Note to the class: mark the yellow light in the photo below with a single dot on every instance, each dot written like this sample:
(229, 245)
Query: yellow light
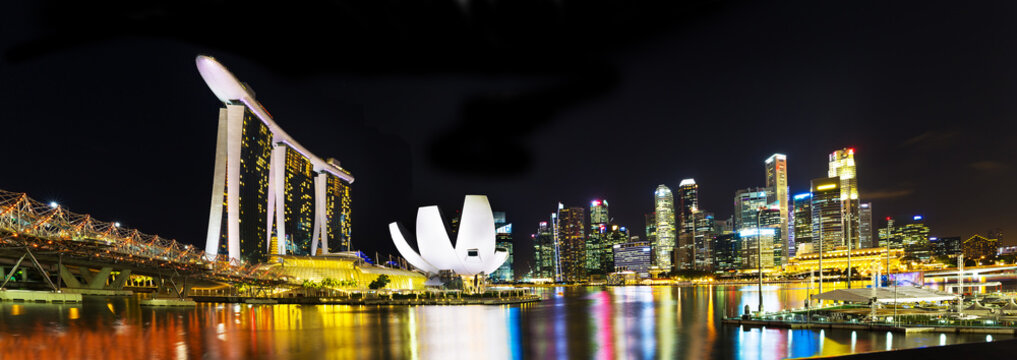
(826, 187)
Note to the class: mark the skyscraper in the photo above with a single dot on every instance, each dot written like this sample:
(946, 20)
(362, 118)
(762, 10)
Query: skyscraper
(704, 234)
(747, 203)
(760, 238)
(688, 203)
(615, 235)
(776, 181)
(595, 237)
(270, 195)
(571, 243)
(827, 225)
(865, 226)
(503, 238)
(842, 166)
(666, 235)
(916, 232)
(543, 251)
(688, 207)
(770, 218)
(651, 227)
(802, 216)
(889, 236)
(727, 252)
(598, 212)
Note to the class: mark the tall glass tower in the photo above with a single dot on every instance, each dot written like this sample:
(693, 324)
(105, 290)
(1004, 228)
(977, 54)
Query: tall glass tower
(776, 181)
(666, 235)
(802, 224)
(827, 223)
(688, 202)
(571, 243)
(842, 166)
(595, 241)
(865, 225)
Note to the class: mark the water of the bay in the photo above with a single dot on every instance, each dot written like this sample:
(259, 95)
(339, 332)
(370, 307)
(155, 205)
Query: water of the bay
(637, 322)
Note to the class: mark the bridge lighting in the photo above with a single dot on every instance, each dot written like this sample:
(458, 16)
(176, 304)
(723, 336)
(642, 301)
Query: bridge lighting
(117, 224)
(53, 204)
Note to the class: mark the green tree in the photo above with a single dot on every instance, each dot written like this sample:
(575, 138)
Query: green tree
(379, 283)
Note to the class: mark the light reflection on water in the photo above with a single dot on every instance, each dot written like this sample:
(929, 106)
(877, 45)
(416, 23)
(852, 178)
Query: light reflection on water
(593, 322)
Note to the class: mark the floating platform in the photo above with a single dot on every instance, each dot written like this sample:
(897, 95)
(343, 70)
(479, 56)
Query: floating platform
(98, 292)
(168, 302)
(39, 296)
(872, 327)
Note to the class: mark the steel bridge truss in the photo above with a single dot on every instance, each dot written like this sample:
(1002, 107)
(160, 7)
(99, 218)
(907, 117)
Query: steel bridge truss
(44, 228)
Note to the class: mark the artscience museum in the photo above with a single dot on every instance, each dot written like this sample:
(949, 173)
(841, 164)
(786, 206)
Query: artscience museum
(474, 251)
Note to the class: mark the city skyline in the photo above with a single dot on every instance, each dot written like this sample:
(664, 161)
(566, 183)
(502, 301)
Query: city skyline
(390, 132)
(502, 179)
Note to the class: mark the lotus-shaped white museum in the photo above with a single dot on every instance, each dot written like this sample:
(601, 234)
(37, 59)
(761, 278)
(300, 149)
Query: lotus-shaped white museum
(474, 252)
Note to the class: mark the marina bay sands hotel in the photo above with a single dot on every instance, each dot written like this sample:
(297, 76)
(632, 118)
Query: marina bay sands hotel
(270, 195)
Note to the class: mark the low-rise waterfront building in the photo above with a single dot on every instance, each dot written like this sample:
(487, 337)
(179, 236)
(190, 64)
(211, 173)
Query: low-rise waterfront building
(864, 260)
(634, 256)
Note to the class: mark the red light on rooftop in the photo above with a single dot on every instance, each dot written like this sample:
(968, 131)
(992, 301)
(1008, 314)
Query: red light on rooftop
(851, 151)
(888, 218)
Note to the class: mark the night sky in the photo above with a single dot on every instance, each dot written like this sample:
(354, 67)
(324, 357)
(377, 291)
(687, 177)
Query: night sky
(529, 102)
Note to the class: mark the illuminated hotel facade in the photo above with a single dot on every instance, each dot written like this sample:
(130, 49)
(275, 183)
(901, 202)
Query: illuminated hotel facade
(270, 195)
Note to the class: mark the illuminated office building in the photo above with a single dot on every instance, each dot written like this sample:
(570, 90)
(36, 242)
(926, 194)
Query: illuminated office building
(947, 246)
(598, 212)
(651, 227)
(270, 195)
(842, 166)
(758, 238)
(826, 214)
(570, 241)
(543, 251)
(915, 239)
(889, 236)
(916, 232)
(865, 226)
(704, 234)
(771, 218)
(503, 240)
(802, 229)
(747, 203)
(727, 252)
(666, 231)
(688, 203)
(687, 213)
(776, 182)
(613, 235)
(633, 256)
(595, 241)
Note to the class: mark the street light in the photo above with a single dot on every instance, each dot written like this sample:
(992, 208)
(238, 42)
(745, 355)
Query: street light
(53, 204)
